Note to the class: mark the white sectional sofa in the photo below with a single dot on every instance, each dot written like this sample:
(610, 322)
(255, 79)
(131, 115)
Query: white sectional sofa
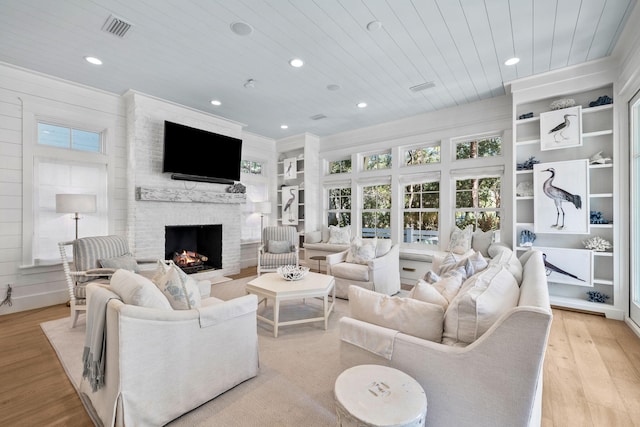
(496, 380)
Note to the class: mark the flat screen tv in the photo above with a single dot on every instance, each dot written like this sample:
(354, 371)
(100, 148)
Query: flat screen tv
(198, 155)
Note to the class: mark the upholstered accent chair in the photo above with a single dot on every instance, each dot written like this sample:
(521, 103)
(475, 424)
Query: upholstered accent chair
(95, 259)
(279, 247)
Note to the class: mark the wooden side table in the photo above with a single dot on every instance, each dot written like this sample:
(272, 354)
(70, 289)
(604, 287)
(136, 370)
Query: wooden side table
(318, 258)
(376, 395)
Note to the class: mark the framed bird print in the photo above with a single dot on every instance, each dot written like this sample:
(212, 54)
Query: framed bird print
(561, 128)
(561, 197)
(289, 205)
(568, 266)
(290, 168)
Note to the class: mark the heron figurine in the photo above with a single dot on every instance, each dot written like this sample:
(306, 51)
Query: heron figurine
(287, 206)
(559, 196)
(558, 130)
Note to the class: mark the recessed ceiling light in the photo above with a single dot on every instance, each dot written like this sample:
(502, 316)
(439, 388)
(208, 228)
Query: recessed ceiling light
(250, 84)
(512, 61)
(333, 87)
(296, 62)
(284, 127)
(241, 28)
(215, 102)
(374, 25)
(93, 60)
(362, 104)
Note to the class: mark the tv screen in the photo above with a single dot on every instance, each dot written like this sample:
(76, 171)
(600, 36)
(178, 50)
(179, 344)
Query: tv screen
(199, 155)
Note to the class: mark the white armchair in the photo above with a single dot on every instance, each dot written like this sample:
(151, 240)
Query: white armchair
(382, 274)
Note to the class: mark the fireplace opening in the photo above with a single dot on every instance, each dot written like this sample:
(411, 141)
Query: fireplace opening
(194, 248)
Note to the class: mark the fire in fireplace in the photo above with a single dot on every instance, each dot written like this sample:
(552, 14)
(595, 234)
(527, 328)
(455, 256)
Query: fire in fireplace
(194, 247)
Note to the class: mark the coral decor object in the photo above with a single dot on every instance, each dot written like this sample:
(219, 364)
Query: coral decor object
(292, 272)
(597, 244)
(602, 100)
(236, 188)
(595, 296)
(599, 159)
(527, 164)
(524, 189)
(525, 116)
(527, 238)
(595, 217)
(562, 103)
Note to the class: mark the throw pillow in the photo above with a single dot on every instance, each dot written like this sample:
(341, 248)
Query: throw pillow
(472, 263)
(313, 237)
(481, 301)
(450, 284)
(430, 277)
(339, 235)
(279, 246)
(460, 240)
(137, 290)
(362, 251)
(181, 290)
(426, 292)
(126, 262)
(481, 240)
(504, 256)
(407, 315)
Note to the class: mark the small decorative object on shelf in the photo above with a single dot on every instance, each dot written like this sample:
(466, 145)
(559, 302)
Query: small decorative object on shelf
(597, 244)
(598, 159)
(595, 296)
(562, 103)
(527, 164)
(603, 100)
(236, 188)
(527, 238)
(292, 272)
(596, 218)
(524, 189)
(525, 116)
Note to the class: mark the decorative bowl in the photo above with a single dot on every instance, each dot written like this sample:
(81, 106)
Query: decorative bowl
(292, 272)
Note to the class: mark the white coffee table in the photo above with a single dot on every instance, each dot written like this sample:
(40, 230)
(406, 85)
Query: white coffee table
(376, 395)
(271, 286)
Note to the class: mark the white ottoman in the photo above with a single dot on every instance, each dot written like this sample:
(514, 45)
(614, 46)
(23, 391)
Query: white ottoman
(375, 395)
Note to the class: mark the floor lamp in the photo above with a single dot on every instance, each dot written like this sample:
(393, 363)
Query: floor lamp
(265, 209)
(75, 204)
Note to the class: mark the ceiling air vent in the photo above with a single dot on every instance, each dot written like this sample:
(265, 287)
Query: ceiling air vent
(318, 117)
(116, 26)
(422, 86)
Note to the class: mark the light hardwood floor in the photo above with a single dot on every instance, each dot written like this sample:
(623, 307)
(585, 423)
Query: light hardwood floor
(591, 373)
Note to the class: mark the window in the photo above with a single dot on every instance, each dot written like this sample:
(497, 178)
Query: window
(376, 211)
(340, 166)
(377, 161)
(66, 137)
(339, 212)
(257, 191)
(421, 213)
(249, 167)
(485, 147)
(478, 203)
(422, 156)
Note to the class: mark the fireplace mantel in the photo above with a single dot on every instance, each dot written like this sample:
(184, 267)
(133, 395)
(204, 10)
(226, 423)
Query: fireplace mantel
(188, 196)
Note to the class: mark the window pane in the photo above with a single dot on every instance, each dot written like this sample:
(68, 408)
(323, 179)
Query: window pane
(421, 227)
(431, 200)
(479, 148)
(463, 219)
(85, 141)
(421, 156)
(55, 136)
(340, 166)
(377, 161)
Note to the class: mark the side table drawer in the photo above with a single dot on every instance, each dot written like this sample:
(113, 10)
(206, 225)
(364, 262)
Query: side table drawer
(411, 271)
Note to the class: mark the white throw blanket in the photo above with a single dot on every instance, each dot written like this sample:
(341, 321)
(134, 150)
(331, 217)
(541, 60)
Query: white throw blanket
(93, 356)
(375, 339)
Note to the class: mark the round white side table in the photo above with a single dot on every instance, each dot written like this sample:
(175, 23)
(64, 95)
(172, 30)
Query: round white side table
(375, 395)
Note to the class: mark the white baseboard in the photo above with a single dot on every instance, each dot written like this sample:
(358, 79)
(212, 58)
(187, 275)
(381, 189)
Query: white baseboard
(31, 302)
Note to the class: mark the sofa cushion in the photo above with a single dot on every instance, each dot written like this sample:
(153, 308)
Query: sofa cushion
(449, 285)
(481, 240)
(126, 262)
(361, 250)
(339, 235)
(407, 315)
(472, 264)
(279, 246)
(383, 247)
(349, 271)
(503, 255)
(426, 292)
(482, 299)
(460, 240)
(181, 290)
(137, 290)
(438, 258)
(313, 237)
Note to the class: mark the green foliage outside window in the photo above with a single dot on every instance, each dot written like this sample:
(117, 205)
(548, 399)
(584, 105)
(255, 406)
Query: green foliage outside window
(478, 203)
(488, 147)
(339, 206)
(377, 161)
(421, 213)
(422, 156)
(376, 215)
(340, 166)
(254, 168)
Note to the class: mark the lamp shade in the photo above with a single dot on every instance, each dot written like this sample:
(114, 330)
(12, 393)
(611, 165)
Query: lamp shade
(75, 203)
(263, 207)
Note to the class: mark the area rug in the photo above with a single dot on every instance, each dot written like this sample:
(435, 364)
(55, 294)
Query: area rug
(294, 386)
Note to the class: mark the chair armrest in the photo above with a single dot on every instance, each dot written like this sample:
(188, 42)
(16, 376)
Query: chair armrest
(94, 272)
(336, 258)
